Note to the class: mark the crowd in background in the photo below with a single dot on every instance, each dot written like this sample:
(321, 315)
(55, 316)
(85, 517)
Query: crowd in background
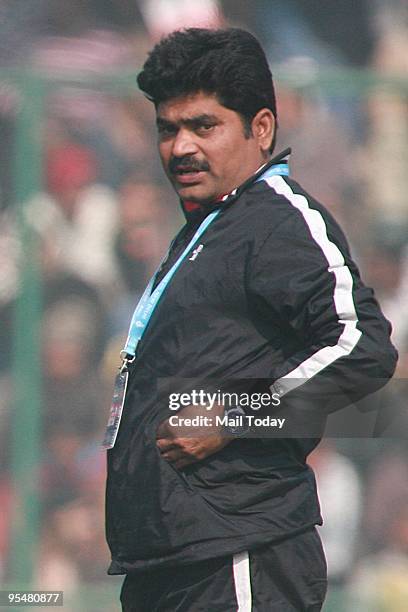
(105, 216)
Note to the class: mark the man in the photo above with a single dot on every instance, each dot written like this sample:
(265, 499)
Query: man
(258, 293)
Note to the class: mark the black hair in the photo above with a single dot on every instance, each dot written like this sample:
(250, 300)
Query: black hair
(229, 63)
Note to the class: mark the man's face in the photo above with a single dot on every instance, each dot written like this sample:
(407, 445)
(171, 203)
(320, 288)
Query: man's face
(203, 147)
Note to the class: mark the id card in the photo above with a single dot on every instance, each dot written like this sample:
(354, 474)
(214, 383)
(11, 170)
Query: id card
(116, 409)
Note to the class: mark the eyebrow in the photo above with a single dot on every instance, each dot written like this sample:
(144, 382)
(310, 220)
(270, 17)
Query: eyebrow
(191, 122)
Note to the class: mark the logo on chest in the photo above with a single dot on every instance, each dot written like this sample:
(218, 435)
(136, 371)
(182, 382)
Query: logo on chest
(196, 252)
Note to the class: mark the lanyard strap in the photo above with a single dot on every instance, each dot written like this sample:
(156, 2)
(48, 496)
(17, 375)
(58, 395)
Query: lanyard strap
(149, 300)
(281, 169)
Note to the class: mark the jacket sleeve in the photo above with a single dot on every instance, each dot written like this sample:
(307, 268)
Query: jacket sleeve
(304, 279)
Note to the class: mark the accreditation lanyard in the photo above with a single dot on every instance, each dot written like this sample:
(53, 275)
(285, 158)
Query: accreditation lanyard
(277, 169)
(140, 320)
(149, 300)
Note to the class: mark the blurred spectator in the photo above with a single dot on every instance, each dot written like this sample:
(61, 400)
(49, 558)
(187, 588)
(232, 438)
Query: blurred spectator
(78, 219)
(340, 493)
(74, 397)
(73, 547)
(385, 262)
(384, 160)
(60, 476)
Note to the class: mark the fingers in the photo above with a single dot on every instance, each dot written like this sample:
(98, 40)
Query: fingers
(175, 449)
(184, 451)
(176, 453)
(165, 444)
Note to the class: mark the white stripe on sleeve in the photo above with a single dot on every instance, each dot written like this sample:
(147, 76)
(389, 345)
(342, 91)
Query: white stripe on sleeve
(342, 297)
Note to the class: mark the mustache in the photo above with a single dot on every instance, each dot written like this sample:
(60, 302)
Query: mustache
(187, 161)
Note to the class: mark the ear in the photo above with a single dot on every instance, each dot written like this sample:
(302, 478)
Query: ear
(263, 129)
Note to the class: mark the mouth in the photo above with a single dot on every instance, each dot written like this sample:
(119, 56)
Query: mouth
(188, 175)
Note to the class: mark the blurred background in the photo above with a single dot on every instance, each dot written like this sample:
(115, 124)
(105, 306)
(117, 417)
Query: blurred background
(86, 214)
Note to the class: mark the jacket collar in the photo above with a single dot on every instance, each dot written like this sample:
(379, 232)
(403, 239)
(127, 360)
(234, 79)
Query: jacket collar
(194, 211)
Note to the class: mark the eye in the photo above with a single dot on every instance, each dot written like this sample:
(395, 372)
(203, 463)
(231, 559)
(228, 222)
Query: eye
(205, 128)
(166, 131)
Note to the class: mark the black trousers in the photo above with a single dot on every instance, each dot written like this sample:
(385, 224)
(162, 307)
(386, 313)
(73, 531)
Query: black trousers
(289, 576)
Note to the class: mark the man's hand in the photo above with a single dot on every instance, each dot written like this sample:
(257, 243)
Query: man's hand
(183, 445)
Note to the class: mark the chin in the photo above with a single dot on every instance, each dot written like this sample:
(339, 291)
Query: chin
(195, 196)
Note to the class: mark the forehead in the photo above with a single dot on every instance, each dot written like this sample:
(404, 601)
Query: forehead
(192, 105)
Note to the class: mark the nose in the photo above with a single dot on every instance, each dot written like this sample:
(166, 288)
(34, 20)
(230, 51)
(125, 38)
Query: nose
(184, 143)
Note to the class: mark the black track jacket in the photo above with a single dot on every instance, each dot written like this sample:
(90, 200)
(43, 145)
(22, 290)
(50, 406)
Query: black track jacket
(272, 295)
